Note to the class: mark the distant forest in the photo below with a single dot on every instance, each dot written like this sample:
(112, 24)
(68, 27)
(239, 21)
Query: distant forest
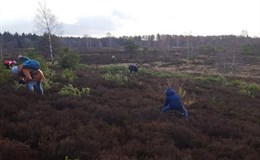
(12, 43)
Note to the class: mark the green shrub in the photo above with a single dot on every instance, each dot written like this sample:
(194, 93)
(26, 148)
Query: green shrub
(250, 89)
(69, 75)
(68, 59)
(130, 46)
(69, 90)
(113, 68)
(248, 49)
(216, 80)
(83, 66)
(47, 83)
(49, 76)
(115, 73)
(119, 78)
(161, 74)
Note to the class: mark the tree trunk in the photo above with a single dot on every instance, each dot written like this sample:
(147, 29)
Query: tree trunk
(51, 53)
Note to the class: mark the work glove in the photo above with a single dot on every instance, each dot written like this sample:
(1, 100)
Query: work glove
(21, 81)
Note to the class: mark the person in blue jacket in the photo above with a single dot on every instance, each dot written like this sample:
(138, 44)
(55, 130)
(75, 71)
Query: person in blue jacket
(173, 102)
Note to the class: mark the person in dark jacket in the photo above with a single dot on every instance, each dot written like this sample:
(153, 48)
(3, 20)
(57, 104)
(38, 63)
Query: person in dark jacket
(173, 102)
(133, 68)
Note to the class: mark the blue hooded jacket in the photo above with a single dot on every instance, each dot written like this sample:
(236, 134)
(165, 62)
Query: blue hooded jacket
(173, 100)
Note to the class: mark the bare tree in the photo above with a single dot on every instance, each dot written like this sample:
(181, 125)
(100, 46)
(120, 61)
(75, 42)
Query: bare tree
(88, 40)
(244, 33)
(47, 23)
(109, 36)
(189, 45)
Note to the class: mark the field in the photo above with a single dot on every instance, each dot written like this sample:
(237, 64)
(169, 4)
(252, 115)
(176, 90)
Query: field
(107, 114)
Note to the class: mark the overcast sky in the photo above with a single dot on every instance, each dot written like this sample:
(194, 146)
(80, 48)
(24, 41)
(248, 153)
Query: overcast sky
(137, 17)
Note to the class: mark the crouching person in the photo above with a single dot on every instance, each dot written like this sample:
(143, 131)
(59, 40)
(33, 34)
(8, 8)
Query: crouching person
(133, 68)
(173, 102)
(33, 78)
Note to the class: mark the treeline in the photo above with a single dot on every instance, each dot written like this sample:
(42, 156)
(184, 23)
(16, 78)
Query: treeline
(12, 42)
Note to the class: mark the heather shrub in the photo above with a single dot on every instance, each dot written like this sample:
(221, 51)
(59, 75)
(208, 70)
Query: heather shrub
(11, 149)
(125, 121)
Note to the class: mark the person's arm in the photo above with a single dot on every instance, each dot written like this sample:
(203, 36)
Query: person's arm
(166, 102)
(27, 75)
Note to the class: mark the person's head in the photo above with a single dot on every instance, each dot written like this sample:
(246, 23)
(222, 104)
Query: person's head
(15, 70)
(169, 91)
(20, 56)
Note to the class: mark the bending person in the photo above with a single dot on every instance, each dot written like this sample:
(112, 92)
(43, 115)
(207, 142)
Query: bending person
(33, 78)
(173, 102)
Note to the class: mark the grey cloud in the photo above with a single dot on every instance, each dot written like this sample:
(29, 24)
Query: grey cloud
(99, 25)
(90, 25)
(18, 27)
